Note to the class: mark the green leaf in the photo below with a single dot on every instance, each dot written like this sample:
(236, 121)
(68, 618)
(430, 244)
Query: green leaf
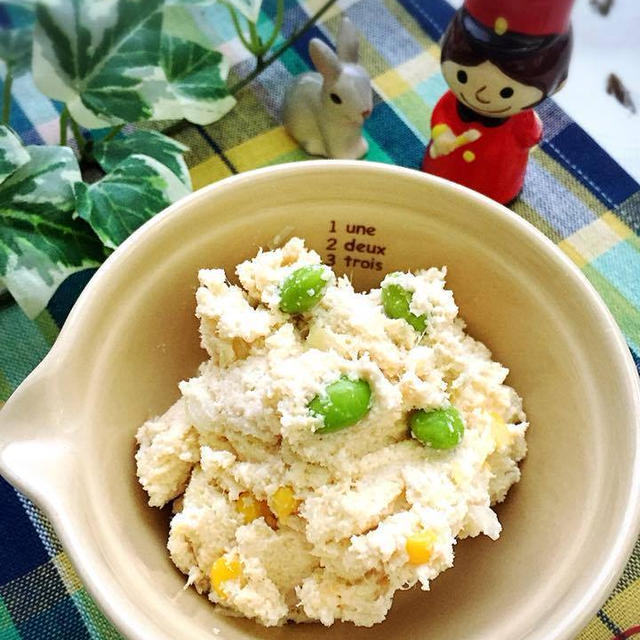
(137, 189)
(150, 143)
(12, 154)
(187, 67)
(194, 76)
(40, 241)
(108, 62)
(93, 55)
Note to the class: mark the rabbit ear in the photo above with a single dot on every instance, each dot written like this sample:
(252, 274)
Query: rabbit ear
(348, 41)
(324, 60)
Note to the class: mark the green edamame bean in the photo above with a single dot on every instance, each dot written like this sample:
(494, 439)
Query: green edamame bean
(438, 428)
(303, 288)
(396, 301)
(343, 403)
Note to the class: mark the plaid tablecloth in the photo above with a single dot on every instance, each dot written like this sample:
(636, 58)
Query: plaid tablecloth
(574, 192)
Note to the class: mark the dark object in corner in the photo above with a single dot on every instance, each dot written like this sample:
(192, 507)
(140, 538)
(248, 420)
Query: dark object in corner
(620, 92)
(602, 6)
(5, 296)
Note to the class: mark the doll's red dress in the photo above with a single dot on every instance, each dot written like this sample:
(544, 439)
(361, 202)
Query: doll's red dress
(494, 164)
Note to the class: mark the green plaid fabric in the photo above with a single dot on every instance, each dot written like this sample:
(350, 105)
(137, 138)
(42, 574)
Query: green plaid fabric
(574, 192)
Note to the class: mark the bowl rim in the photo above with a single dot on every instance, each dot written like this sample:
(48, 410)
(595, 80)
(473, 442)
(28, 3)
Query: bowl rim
(600, 588)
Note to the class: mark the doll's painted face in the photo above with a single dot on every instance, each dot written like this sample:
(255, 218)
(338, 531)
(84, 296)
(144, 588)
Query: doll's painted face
(488, 91)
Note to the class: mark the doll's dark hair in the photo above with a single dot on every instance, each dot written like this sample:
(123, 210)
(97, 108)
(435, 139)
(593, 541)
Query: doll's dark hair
(537, 61)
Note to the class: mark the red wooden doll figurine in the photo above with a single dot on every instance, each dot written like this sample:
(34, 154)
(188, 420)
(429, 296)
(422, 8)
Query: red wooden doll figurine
(499, 58)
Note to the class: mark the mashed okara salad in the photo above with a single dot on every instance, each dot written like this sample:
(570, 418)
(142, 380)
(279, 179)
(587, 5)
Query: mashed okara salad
(334, 445)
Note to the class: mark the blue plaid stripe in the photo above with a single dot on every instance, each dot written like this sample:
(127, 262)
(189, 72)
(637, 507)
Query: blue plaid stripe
(543, 191)
(593, 166)
(433, 17)
(21, 550)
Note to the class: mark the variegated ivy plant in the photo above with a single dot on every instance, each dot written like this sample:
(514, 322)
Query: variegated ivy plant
(111, 62)
(54, 224)
(116, 61)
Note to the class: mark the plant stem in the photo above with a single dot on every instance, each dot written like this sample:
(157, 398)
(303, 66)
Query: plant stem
(80, 141)
(6, 96)
(256, 45)
(238, 28)
(277, 25)
(280, 50)
(64, 122)
(113, 133)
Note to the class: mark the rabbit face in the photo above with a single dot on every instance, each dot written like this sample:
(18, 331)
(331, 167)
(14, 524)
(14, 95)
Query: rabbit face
(346, 86)
(349, 98)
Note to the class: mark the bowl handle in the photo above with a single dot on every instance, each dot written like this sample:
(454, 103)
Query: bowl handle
(36, 442)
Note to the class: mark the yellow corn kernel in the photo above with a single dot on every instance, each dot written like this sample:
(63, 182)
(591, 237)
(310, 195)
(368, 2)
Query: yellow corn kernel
(284, 503)
(251, 508)
(221, 571)
(420, 545)
(499, 430)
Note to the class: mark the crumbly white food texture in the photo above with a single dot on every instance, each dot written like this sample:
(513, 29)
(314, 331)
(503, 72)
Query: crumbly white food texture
(242, 428)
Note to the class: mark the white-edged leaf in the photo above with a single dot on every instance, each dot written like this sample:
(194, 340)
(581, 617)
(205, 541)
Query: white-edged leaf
(93, 56)
(136, 189)
(12, 154)
(196, 75)
(150, 143)
(196, 81)
(111, 62)
(40, 241)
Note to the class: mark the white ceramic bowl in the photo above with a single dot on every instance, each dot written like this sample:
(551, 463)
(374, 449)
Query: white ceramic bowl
(67, 434)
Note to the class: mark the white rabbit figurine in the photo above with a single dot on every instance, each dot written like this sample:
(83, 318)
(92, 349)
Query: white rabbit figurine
(325, 111)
